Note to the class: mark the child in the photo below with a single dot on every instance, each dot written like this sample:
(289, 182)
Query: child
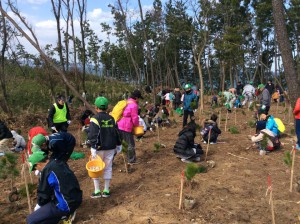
(142, 123)
(185, 147)
(104, 139)
(214, 100)
(212, 126)
(19, 142)
(5, 136)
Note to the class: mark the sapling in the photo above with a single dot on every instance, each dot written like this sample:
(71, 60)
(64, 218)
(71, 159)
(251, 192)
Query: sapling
(8, 167)
(190, 171)
(193, 105)
(244, 113)
(234, 130)
(157, 147)
(287, 159)
(252, 124)
(264, 142)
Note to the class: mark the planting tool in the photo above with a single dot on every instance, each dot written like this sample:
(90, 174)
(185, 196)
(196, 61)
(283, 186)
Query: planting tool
(271, 199)
(292, 168)
(208, 142)
(26, 186)
(181, 189)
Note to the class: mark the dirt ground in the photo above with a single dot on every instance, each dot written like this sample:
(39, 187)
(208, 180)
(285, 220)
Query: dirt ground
(234, 191)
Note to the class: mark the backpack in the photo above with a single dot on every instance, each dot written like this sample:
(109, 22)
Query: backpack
(280, 125)
(118, 109)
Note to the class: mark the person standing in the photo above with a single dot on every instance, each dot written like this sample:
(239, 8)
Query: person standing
(239, 88)
(129, 120)
(296, 112)
(189, 97)
(265, 100)
(177, 98)
(58, 193)
(105, 140)
(59, 115)
(270, 87)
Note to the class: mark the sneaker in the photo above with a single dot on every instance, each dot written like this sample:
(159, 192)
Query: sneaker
(212, 143)
(96, 195)
(197, 159)
(204, 142)
(105, 194)
(186, 160)
(297, 147)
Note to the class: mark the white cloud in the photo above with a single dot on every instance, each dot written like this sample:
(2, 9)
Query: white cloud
(47, 24)
(99, 16)
(35, 2)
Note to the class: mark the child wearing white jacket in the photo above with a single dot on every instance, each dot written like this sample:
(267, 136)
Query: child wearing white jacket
(19, 141)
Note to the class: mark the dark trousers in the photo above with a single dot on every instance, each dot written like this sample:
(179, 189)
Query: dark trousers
(47, 214)
(61, 127)
(186, 113)
(128, 137)
(297, 128)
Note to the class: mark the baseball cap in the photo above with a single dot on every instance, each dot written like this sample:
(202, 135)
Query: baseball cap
(35, 158)
(260, 86)
(38, 140)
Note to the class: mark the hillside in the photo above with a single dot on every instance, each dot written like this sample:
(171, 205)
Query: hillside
(234, 191)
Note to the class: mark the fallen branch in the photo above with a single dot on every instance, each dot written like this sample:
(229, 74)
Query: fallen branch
(240, 157)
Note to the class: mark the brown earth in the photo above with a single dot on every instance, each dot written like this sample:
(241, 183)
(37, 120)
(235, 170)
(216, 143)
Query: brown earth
(234, 191)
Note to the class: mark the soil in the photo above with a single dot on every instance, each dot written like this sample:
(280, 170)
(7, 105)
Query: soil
(233, 191)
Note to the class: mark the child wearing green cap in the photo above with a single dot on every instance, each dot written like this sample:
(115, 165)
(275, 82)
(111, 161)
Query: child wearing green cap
(105, 141)
(58, 193)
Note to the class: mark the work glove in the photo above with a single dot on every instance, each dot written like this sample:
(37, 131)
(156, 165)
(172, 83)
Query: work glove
(69, 121)
(263, 107)
(37, 172)
(54, 129)
(36, 207)
(94, 153)
(118, 149)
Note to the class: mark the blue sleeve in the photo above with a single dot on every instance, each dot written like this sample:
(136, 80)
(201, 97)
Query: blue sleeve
(270, 124)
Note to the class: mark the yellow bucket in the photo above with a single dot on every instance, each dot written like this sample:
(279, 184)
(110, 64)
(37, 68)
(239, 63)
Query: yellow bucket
(138, 130)
(95, 167)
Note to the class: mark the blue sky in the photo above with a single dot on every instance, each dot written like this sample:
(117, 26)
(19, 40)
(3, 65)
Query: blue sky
(40, 16)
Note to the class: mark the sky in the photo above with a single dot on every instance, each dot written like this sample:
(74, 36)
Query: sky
(40, 16)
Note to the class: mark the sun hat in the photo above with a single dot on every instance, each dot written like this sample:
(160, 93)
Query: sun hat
(38, 140)
(36, 157)
(101, 102)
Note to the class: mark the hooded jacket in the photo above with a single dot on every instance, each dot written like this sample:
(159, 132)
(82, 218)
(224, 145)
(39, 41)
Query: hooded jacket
(19, 140)
(185, 142)
(4, 131)
(215, 131)
(130, 116)
(187, 100)
(272, 126)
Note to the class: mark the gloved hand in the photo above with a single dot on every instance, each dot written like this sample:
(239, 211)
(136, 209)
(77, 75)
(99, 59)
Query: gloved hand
(94, 153)
(69, 121)
(37, 172)
(36, 207)
(54, 129)
(263, 107)
(118, 149)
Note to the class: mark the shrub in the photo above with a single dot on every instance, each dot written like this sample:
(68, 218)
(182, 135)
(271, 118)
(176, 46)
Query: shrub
(234, 130)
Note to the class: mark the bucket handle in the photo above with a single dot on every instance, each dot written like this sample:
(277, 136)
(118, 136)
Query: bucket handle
(97, 158)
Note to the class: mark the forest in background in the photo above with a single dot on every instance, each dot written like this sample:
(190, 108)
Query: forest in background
(212, 44)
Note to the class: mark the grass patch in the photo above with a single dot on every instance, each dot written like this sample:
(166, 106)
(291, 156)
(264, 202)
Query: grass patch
(234, 130)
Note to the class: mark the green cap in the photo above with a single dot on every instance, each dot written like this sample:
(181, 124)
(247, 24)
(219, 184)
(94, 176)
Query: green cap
(220, 93)
(38, 140)
(260, 86)
(101, 102)
(35, 158)
(187, 86)
(251, 82)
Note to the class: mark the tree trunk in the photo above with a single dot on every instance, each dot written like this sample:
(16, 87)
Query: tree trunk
(293, 81)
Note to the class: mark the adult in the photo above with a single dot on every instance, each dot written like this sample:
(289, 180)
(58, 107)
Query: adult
(270, 87)
(33, 132)
(104, 139)
(265, 100)
(188, 98)
(177, 98)
(59, 115)
(5, 135)
(129, 120)
(239, 88)
(61, 144)
(58, 193)
(296, 112)
(248, 93)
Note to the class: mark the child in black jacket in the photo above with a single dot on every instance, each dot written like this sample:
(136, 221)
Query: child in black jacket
(212, 126)
(185, 147)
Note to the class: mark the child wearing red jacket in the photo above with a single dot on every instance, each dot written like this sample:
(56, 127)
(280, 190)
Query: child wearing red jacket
(296, 112)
